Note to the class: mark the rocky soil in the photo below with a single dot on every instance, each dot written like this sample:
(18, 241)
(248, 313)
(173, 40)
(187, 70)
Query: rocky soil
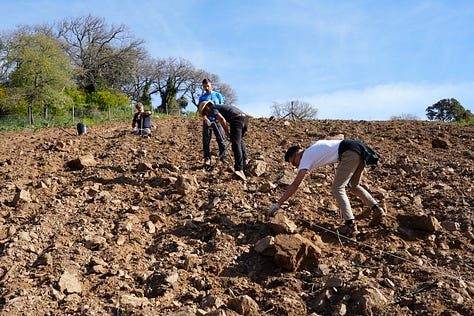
(108, 223)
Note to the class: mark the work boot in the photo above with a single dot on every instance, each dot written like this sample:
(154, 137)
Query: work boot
(378, 213)
(349, 229)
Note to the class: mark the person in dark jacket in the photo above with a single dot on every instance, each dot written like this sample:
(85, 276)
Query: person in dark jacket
(349, 172)
(141, 123)
(235, 124)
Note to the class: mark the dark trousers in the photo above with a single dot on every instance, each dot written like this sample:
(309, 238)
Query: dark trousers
(206, 139)
(238, 128)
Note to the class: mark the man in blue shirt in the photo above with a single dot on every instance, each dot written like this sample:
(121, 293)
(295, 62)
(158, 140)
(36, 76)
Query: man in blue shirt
(210, 124)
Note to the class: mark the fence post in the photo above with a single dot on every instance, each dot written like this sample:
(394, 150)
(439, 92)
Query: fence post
(30, 115)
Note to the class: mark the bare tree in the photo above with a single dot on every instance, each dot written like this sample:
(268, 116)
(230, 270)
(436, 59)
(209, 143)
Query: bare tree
(103, 56)
(404, 117)
(230, 97)
(294, 110)
(195, 88)
(172, 82)
(139, 86)
(5, 50)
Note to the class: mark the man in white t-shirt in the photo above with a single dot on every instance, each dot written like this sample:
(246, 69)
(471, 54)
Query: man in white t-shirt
(349, 172)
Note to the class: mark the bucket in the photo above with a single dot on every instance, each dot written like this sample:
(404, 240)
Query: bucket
(81, 128)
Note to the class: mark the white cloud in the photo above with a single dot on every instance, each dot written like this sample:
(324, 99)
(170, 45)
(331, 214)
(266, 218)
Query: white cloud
(383, 101)
(377, 102)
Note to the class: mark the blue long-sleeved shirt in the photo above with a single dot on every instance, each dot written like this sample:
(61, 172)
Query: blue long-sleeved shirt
(215, 97)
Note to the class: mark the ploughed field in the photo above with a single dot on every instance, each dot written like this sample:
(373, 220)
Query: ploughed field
(109, 223)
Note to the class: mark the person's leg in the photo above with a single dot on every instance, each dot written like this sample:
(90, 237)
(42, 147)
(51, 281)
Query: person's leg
(219, 132)
(206, 140)
(344, 172)
(236, 139)
(357, 189)
(242, 142)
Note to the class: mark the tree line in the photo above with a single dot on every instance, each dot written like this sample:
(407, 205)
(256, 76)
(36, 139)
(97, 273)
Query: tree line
(84, 64)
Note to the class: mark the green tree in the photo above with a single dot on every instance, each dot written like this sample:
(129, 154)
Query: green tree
(448, 110)
(40, 72)
(106, 99)
(294, 110)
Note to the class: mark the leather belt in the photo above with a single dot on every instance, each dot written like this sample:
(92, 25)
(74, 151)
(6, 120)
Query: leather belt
(237, 115)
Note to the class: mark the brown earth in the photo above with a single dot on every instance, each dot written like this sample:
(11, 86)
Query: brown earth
(108, 223)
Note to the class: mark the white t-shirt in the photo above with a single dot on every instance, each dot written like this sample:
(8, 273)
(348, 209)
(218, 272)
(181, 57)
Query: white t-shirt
(321, 153)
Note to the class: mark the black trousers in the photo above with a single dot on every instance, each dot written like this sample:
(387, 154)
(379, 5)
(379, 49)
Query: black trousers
(215, 127)
(238, 128)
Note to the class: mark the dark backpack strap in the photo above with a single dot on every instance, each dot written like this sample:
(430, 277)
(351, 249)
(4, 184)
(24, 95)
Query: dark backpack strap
(369, 156)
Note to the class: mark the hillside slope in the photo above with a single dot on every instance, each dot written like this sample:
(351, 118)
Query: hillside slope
(108, 223)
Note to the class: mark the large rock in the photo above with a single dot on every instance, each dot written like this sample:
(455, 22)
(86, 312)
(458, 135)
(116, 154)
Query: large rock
(256, 167)
(440, 142)
(82, 162)
(368, 301)
(266, 246)
(186, 184)
(293, 251)
(21, 196)
(69, 283)
(244, 305)
(286, 178)
(281, 224)
(420, 222)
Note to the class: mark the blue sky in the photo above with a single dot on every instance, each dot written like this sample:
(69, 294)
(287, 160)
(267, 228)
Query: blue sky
(351, 59)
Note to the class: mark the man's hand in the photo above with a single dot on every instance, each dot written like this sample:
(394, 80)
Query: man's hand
(226, 128)
(207, 121)
(273, 209)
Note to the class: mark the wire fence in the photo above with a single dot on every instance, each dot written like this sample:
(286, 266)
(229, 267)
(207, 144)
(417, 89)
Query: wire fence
(94, 116)
(88, 116)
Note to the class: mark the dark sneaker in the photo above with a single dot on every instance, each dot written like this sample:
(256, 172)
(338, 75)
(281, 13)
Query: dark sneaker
(378, 213)
(348, 230)
(207, 162)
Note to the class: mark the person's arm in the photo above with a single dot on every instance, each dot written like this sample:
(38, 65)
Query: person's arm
(293, 186)
(220, 98)
(204, 117)
(223, 122)
(134, 122)
(288, 192)
(206, 120)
